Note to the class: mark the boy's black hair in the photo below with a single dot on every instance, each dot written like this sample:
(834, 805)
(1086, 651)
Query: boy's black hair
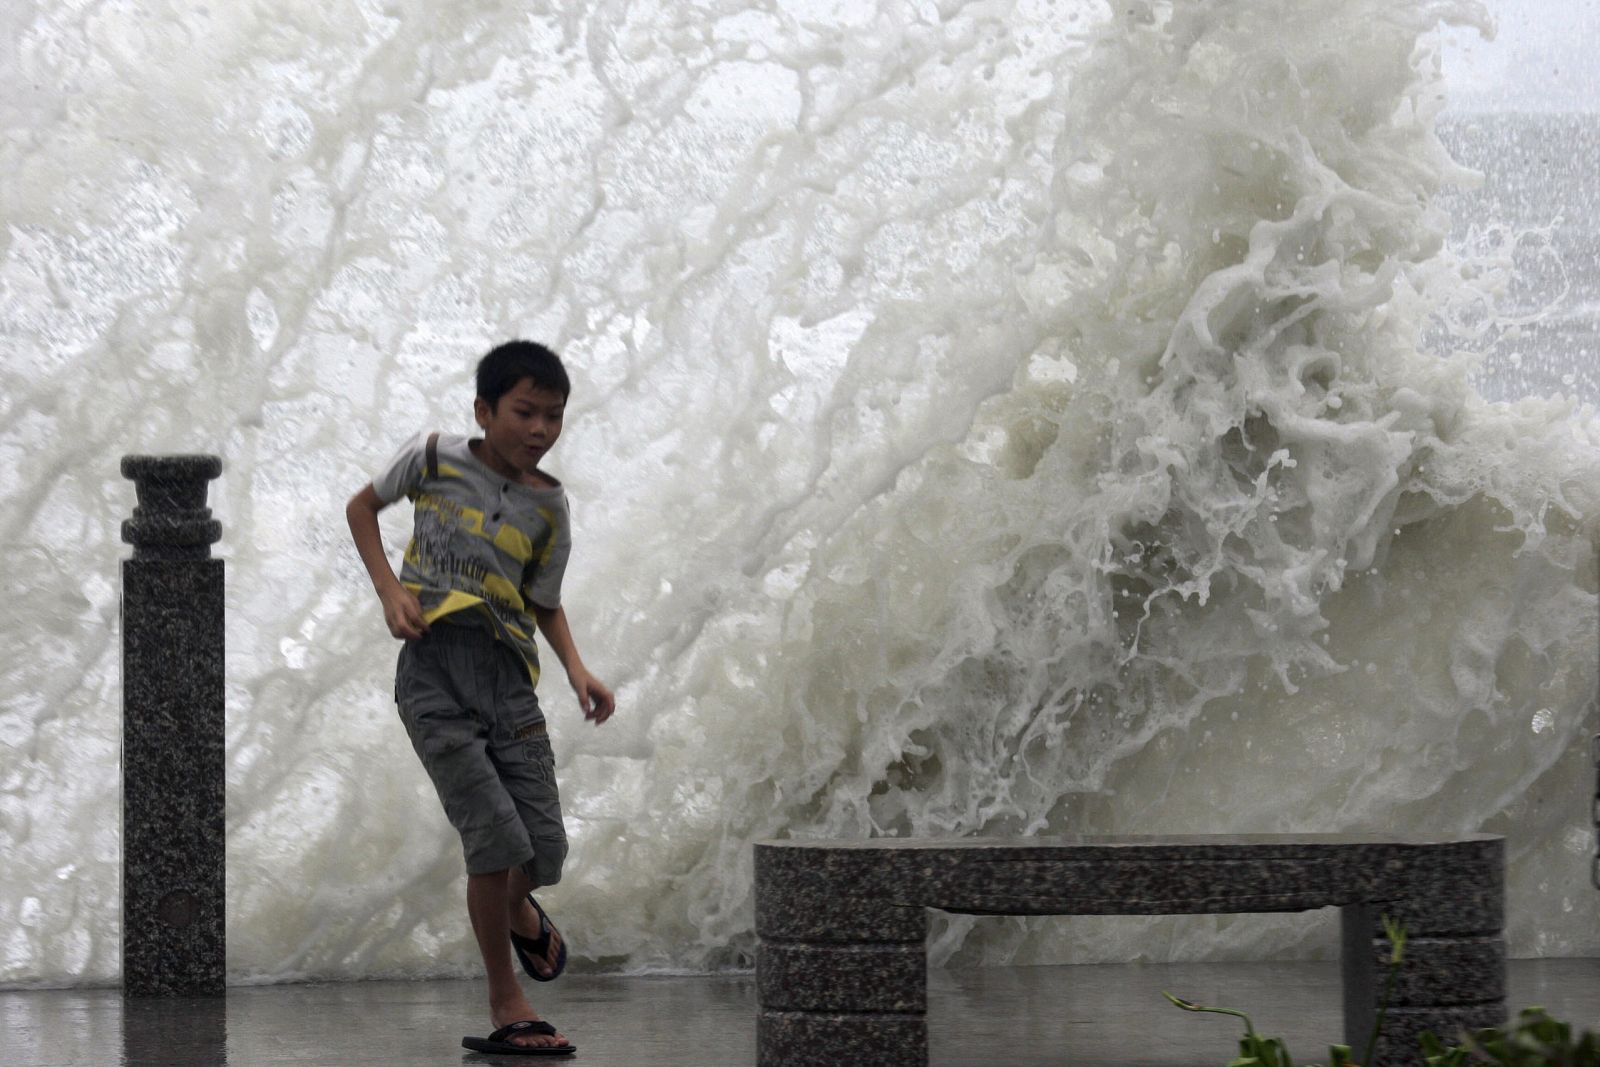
(508, 364)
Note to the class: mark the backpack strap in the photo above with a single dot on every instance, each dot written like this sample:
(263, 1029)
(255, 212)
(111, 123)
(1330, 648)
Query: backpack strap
(431, 470)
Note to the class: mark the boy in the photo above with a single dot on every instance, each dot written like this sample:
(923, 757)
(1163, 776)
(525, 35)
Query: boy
(489, 548)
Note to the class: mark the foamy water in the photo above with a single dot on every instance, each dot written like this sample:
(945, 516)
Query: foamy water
(1020, 420)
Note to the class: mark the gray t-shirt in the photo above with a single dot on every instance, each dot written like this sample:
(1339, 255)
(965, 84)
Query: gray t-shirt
(484, 547)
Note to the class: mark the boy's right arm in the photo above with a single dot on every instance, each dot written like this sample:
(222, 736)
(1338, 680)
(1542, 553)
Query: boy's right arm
(401, 609)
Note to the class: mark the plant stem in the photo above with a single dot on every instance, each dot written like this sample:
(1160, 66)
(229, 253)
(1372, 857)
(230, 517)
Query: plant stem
(1383, 1009)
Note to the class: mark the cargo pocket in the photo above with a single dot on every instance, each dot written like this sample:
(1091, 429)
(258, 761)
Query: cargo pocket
(541, 759)
(520, 717)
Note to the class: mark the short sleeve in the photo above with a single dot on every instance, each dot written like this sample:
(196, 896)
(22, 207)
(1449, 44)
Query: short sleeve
(545, 589)
(402, 475)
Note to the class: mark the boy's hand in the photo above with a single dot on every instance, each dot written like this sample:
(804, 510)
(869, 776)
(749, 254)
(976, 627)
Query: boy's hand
(403, 613)
(593, 696)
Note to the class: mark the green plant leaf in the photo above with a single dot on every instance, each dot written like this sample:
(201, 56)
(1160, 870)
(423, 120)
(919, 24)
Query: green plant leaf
(1396, 934)
(1189, 1005)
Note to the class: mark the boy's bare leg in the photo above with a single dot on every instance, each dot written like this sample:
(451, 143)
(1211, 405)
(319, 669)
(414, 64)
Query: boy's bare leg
(524, 920)
(486, 906)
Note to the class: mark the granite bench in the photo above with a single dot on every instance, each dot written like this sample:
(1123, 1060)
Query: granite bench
(841, 968)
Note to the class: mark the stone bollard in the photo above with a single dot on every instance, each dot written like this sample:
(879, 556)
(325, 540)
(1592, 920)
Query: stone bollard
(173, 941)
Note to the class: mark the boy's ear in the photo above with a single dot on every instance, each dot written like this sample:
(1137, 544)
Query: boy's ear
(480, 410)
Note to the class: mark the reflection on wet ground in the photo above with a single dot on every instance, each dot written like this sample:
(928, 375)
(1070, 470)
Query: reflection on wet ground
(1106, 1016)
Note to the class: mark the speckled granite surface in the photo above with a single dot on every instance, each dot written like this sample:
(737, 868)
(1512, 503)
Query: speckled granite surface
(172, 746)
(841, 972)
(171, 519)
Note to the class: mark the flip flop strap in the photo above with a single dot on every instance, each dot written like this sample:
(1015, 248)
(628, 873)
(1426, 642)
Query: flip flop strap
(526, 1026)
(546, 928)
(537, 946)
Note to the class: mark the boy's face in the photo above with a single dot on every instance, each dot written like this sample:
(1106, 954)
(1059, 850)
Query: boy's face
(522, 427)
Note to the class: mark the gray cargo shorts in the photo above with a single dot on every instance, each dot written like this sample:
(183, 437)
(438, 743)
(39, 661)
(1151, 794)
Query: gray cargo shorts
(475, 723)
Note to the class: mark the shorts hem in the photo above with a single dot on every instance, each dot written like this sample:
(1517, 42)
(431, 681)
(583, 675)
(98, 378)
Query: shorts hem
(541, 878)
(501, 847)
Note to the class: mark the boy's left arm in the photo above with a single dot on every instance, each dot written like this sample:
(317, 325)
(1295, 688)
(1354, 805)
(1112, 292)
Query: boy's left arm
(593, 696)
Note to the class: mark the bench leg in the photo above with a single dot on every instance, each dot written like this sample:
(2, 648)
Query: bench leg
(841, 973)
(1453, 975)
(841, 1003)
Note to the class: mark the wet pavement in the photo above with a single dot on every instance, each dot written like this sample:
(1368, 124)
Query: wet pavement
(1106, 1016)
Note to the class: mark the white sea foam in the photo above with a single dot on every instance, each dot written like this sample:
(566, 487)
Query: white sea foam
(1014, 418)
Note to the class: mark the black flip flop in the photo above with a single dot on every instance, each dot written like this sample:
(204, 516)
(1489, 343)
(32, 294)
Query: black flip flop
(532, 948)
(499, 1042)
